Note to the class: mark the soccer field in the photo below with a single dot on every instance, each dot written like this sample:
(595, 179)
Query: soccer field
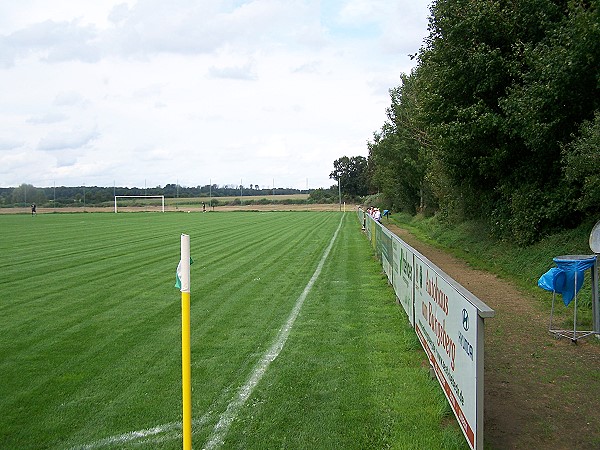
(90, 336)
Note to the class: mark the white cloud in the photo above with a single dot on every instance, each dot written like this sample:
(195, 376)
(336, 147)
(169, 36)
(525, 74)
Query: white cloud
(72, 139)
(124, 91)
(244, 72)
(69, 98)
(53, 42)
(10, 144)
(47, 118)
(360, 11)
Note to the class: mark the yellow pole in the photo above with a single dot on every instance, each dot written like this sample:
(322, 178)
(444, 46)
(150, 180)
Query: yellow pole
(186, 358)
(186, 370)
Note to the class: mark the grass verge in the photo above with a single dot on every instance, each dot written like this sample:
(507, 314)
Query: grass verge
(471, 242)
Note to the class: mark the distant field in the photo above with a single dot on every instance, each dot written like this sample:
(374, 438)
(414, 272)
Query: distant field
(291, 202)
(200, 200)
(90, 348)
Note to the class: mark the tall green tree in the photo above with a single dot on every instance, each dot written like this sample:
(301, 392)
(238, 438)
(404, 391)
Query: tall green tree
(558, 90)
(466, 67)
(489, 123)
(508, 84)
(351, 173)
(581, 160)
(398, 153)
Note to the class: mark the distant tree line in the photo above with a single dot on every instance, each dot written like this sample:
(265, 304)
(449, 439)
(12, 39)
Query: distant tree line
(26, 194)
(499, 121)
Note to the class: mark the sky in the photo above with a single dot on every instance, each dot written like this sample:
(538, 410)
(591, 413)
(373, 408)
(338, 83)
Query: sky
(144, 93)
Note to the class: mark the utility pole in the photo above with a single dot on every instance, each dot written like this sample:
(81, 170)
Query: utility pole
(340, 192)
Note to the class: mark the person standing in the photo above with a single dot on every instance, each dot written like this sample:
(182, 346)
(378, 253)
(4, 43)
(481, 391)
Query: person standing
(33, 209)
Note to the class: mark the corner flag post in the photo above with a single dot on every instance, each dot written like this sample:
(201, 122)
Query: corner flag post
(186, 358)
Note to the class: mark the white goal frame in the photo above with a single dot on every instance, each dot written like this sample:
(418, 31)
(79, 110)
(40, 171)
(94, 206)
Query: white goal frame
(162, 197)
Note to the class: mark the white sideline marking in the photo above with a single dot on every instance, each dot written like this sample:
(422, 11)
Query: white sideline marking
(243, 394)
(132, 436)
(160, 431)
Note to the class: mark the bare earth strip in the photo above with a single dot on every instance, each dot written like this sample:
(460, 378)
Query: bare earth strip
(540, 392)
(185, 208)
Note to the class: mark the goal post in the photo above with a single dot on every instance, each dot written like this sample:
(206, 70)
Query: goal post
(161, 197)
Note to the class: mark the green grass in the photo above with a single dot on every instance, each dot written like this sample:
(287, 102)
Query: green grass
(90, 344)
(522, 265)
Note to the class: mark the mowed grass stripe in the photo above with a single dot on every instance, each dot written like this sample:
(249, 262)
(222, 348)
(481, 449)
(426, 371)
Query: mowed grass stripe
(59, 333)
(52, 253)
(56, 336)
(231, 305)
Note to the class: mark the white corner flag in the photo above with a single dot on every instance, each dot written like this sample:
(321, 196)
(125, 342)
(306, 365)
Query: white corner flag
(178, 274)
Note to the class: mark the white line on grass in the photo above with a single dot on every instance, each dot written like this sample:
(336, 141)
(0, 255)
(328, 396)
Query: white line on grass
(155, 434)
(243, 394)
(132, 436)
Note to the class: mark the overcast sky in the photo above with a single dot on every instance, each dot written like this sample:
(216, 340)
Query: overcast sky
(150, 92)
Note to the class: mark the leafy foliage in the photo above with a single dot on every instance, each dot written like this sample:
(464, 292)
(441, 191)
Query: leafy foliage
(321, 195)
(351, 174)
(581, 159)
(399, 154)
(26, 194)
(497, 122)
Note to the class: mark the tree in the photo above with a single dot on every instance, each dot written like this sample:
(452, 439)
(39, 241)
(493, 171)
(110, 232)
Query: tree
(497, 121)
(464, 69)
(351, 173)
(27, 194)
(581, 159)
(556, 93)
(399, 155)
(321, 195)
(504, 87)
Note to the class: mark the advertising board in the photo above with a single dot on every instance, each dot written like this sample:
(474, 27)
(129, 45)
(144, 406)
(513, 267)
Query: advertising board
(403, 276)
(449, 322)
(387, 252)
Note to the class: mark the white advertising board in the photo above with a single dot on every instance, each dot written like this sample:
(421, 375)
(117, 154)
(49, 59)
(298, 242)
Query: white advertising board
(403, 276)
(387, 252)
(447, 326)
(449, 322)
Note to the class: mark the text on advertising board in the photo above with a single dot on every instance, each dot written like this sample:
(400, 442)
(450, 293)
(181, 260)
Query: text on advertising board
(439, 327)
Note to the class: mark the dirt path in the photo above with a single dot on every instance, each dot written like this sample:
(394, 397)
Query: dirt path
(540, 392)
(183, 208)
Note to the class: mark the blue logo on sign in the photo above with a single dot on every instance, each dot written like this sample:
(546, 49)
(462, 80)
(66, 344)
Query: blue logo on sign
(465, 319)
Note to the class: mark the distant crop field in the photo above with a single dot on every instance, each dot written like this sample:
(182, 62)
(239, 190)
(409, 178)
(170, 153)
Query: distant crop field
(200, 200)
(90, 342)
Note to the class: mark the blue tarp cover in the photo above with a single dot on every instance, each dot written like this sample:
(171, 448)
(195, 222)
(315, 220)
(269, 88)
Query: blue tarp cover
(561, 279)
